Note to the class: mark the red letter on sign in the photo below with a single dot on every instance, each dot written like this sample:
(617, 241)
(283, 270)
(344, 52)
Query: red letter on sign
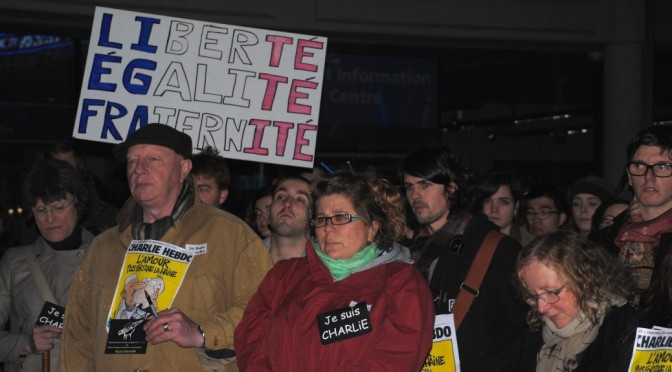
(276, 50)
(258, 136)
(301, 141)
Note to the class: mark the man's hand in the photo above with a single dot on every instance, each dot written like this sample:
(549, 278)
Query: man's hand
(173, 325)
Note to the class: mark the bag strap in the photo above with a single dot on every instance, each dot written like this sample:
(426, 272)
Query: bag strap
(38, 276)
(469, 289)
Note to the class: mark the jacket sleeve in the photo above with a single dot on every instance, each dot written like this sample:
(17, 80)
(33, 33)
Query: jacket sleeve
(11, 344)
(251, 266)
(253, 329)
(78, 337)
(406, 335)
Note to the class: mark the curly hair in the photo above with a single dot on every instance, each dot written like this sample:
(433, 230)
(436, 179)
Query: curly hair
(590, 273)
(374, 198)
(51, 180)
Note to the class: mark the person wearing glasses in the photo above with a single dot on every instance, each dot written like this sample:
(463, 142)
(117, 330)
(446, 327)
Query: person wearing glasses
(545, 209)
(579, 298)
(57, 197)
(438, 187)
(641, 236)
(354, 302)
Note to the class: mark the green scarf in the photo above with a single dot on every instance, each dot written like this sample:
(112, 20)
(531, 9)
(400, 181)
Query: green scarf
(341, 269)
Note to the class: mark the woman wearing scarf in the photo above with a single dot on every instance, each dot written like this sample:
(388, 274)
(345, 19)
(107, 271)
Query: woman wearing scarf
(42, 271)
(578, 297)
(354, 302)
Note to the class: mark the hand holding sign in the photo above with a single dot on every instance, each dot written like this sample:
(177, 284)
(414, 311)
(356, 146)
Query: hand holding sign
(173, 325)
(43, 338)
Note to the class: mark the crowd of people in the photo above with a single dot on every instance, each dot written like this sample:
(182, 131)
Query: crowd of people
(335, 270)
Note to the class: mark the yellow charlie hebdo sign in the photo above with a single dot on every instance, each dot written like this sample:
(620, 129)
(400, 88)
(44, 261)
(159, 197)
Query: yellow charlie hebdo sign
(652, 350)
(444, 356)
(150, 278)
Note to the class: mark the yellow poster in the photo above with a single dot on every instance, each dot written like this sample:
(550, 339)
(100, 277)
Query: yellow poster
(444, 356)
(149, 280)
(652, 350)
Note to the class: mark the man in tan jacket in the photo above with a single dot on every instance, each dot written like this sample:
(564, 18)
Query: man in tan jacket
(219, 280)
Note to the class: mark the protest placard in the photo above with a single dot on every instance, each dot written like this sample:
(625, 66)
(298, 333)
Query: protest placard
(652, 350)
(444, 356)
(150, 278)
(252, 94)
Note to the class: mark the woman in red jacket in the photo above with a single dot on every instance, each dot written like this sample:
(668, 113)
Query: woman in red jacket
(354, 302)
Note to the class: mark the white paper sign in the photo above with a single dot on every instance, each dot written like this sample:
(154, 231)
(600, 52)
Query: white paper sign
(252, 94)
(444, 356)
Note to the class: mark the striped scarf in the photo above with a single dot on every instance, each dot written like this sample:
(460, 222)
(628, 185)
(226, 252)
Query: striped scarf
(156, 230)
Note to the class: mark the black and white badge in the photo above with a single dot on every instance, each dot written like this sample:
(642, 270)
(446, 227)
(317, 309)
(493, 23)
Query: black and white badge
(51, 314)
(342, 324)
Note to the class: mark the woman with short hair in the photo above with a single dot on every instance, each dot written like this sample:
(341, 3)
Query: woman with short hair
(354, 302)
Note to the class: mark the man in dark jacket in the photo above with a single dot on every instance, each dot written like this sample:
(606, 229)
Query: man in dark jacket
(641, 236)
(491, 336)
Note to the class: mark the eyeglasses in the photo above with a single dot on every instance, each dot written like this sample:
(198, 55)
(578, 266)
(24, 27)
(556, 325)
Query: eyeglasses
(56, 209)
(542, 214)
(660, 170)
(337, 219)
(549, 297)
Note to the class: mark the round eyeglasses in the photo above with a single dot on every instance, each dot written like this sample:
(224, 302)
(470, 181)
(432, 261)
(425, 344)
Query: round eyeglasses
(337, 219)
(549, 297)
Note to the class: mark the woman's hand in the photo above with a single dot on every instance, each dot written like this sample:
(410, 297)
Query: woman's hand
(43, 338)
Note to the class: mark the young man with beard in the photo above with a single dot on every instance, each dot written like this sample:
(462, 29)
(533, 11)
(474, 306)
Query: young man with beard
(289, 219)
(438, 187)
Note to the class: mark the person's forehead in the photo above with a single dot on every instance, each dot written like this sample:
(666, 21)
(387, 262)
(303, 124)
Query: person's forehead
(293, 186)
(149, 148)
(263, 201)
(203, 180)
(585, 196)
(541, 202)
(408, 178)
(651, 151)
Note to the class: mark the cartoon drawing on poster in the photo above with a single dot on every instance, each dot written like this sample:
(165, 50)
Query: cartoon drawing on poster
(252, 94)
(150, 277)
(444, 356)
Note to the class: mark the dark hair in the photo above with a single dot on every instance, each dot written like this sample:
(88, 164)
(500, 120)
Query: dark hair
(250, 216)
(439, 165)
(550, 192)
(293, 177)
(658, 135)
(489, 184)
(374, 198)
(51, 180)
(599, 211)
(657, 305)
(589, 271)
(210, 165)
